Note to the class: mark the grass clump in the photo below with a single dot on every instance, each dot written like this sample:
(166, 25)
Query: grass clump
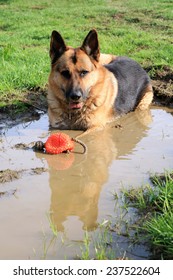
(155, 204)
(160, 231)
(98, 246)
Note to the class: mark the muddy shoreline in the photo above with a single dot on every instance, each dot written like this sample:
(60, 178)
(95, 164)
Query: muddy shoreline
(33, 105)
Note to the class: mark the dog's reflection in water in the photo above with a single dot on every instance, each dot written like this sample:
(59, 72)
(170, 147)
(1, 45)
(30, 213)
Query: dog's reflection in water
(76, 180)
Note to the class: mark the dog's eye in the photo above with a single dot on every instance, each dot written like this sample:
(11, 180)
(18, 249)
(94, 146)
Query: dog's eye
(83, 73)
(66, 74)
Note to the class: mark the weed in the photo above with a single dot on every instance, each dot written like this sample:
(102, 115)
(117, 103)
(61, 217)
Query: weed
(98, 245)
(164, 184)
(52, 224)
(85, 249)
(160, 230)
(48, 240)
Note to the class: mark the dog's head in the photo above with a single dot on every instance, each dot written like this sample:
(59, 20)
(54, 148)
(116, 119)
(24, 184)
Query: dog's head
(73, 69)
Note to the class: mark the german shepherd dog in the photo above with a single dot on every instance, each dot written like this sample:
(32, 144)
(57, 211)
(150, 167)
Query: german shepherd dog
(87, 89)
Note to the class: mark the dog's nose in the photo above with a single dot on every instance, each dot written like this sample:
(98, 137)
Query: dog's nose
(75, 95)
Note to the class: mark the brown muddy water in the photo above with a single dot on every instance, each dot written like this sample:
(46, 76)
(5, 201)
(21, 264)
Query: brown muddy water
(76, 190)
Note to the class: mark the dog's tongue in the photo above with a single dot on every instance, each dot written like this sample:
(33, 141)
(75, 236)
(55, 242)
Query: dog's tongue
(74, 105)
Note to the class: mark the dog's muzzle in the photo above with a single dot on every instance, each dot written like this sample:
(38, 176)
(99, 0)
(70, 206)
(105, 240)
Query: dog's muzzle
(75, 99)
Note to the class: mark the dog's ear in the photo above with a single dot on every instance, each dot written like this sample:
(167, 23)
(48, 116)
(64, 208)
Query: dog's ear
(91, 45)
(57, 46)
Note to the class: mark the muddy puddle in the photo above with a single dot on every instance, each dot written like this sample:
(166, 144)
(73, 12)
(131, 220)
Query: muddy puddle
(48, 202)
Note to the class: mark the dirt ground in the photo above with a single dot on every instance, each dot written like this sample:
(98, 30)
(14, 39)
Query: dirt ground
(163, 87)
(9, 175)
(31, 107)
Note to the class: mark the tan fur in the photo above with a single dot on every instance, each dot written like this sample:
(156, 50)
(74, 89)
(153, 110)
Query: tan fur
(102, 88)
(146, 100)
(106, 58)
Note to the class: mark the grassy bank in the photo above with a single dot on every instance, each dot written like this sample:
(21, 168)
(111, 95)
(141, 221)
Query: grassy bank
(154, 205)
(139, 29)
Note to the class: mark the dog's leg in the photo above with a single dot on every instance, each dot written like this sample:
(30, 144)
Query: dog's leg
(147, 99)
(90, 130)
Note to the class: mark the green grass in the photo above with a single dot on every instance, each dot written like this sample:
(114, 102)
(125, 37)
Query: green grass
(155, 208)
(160, 231)
(94, 245)
(139, 29)
(98, 246)
(52, 225)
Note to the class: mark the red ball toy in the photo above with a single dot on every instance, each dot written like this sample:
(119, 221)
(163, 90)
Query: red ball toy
(58, 143)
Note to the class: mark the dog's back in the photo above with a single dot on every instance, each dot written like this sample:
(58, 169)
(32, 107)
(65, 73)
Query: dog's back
(132, 82)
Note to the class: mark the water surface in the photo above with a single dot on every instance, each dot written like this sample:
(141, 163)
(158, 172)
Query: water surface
(76, 190)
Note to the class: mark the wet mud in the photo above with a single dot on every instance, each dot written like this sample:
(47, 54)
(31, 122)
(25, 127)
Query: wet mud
(8, 175)
(163, 87)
